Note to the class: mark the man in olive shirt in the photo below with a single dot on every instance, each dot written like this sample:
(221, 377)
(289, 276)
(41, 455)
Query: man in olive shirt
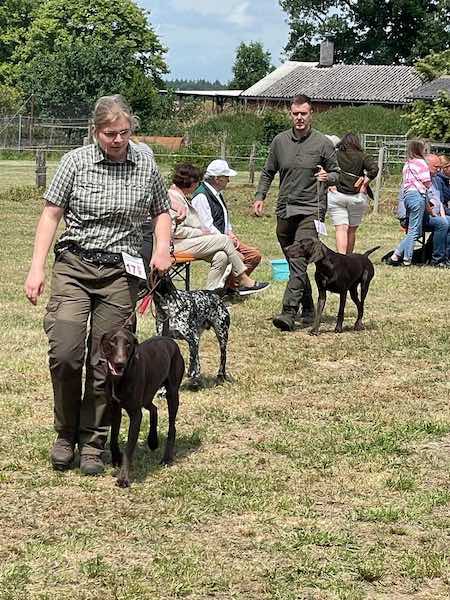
(305, 160)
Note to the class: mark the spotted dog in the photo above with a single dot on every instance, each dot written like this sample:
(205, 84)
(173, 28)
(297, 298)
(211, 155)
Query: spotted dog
(185, 315)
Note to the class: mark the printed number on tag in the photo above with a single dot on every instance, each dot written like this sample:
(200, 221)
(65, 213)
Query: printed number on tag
(320, 227)
(134, 265)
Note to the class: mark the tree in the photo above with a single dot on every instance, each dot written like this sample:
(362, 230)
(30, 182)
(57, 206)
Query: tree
(431, 119)
(16, 17)
(77, 50)
(434, 65)
(367, 31)
(10, 100)
(251, 64)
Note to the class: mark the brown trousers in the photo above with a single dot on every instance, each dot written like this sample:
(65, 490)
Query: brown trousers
(87, 300)
(251, 257)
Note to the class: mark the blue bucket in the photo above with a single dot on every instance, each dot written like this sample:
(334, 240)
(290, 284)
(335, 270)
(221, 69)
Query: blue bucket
(280, 269)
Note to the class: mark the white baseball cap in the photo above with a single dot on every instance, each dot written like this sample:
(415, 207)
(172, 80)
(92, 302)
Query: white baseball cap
(219, 167)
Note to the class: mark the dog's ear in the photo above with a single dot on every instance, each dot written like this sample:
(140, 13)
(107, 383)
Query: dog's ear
(317, 251)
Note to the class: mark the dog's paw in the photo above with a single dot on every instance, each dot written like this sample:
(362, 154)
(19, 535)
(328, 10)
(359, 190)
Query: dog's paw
(224, 377)
(166, 461)
(194, 384)
(123, 482)
(359, 326)
(338, 329)
(313, 332)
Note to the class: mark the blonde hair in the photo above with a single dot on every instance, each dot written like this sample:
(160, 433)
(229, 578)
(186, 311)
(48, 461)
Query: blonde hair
(445, 160)
(110, 108)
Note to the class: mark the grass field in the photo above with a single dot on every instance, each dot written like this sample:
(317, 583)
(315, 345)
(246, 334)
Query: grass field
(321, 473)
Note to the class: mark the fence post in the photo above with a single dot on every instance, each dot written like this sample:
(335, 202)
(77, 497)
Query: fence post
(376, 196)
(41, 168)
(251, 167)
(19, 139)
(223, 145)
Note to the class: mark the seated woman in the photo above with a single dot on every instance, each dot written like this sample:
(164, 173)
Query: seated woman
(348, 201)
(192, 239)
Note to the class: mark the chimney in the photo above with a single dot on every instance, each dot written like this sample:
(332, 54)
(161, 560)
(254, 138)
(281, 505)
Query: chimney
(326, 53)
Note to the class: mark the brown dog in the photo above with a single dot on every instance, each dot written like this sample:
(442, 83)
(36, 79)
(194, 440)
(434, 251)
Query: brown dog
(135, 374)
(338, 273)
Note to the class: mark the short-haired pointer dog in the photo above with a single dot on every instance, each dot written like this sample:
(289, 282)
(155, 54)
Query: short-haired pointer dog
(338, 273)
(135, 374)
(185, 315)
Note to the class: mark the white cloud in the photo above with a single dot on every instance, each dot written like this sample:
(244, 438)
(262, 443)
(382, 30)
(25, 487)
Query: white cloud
(236, 14)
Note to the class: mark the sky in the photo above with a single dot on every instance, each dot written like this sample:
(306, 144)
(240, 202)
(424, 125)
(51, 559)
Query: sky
(202, 35)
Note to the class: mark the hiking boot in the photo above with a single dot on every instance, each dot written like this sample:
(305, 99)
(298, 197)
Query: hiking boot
(258, 286)
(91, 464)
(285, 321)
(62, 452)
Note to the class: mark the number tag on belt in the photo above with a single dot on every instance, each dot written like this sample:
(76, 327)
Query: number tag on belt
(320, 227)
(134, 265)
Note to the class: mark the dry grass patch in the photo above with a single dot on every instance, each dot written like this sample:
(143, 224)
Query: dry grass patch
(321, 473)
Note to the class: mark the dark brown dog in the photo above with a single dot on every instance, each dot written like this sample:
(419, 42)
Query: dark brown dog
(135, 374)
(338, 273)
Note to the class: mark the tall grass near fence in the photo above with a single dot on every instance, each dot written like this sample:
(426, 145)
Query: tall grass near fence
(321, 473)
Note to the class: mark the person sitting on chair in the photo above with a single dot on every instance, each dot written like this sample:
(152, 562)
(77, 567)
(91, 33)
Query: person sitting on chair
(210, 205)
(192, 238)
(435, 219)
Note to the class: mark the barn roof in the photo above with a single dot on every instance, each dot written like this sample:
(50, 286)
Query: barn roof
(430, 90)
(375, 84)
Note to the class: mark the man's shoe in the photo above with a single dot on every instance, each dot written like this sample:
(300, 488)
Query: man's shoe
(62, 453)
(91, 464)
(438, 265)
(258, 286)
(284, 321)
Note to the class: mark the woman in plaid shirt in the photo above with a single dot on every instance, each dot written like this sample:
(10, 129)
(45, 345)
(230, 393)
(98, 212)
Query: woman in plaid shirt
(104, 191)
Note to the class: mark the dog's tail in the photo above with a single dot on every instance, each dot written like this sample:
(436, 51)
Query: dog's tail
(367, 252)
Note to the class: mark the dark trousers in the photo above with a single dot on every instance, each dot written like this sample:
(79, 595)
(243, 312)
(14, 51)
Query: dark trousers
(87, 300)
(298, 289)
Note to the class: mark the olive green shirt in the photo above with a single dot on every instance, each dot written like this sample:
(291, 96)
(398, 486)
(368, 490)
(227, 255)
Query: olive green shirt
(296, 159)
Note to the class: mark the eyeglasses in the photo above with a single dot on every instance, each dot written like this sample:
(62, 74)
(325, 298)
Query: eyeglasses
(111, 135)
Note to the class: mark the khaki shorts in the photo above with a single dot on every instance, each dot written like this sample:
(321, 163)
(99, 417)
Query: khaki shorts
(347, 209)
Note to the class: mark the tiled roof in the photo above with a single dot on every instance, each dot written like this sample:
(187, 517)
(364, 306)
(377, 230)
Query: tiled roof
(382, 84)
(430, 90)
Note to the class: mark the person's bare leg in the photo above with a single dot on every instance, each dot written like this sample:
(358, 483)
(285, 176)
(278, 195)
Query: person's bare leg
(341, 238)
(351, 237)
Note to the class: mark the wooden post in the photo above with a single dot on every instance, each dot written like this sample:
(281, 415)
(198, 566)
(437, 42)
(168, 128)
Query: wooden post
(251, 168)
(376, 195)
(41, 168)
(223, 145)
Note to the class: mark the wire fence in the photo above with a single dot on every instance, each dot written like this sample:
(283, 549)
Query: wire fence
(43, 141)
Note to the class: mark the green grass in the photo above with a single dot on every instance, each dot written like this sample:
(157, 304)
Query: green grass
(321, 473)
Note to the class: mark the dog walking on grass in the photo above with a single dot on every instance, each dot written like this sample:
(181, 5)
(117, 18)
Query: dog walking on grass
(135, 373)
(338, 273)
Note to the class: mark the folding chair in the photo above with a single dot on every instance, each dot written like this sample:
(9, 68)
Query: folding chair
(181, 269)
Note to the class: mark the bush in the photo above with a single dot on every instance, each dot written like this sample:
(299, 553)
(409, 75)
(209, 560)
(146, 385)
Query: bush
(361, 119)
(431, 119)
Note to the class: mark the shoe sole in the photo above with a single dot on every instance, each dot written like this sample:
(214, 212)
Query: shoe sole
(250, 292)
(62, 466)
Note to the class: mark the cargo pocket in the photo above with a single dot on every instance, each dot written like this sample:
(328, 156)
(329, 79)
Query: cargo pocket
(50, 315)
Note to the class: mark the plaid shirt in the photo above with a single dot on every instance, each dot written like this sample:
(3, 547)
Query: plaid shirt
(105, 202)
